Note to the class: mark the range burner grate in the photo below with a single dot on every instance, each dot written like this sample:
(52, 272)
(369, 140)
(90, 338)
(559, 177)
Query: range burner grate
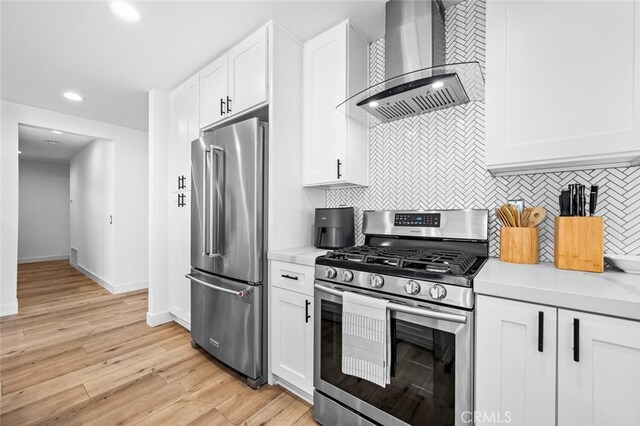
(438, 261)
(454, 262)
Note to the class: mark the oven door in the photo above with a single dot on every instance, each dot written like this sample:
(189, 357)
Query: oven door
(431, 363)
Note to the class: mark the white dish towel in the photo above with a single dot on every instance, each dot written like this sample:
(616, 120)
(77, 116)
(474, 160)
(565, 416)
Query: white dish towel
(365, 338)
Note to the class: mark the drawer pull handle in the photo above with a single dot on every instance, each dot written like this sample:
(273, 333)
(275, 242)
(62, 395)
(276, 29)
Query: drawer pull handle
(540, 331)
(289, 277)
(576, 340)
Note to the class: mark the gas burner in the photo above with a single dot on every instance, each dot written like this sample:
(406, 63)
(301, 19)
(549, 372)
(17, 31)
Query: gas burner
(443, 262)
(353, 254)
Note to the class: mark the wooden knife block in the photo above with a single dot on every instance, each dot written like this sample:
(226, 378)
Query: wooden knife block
(579, 243)
(519, 245)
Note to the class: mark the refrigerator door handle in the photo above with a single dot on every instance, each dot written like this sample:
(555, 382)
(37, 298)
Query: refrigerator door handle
(215, 287)
(215, 249)
(204, 202)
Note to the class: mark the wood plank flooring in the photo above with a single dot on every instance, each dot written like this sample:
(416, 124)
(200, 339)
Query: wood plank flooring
(77, 355)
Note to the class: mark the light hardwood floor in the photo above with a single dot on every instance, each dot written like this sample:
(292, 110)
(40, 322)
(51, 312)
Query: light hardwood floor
(76, 354)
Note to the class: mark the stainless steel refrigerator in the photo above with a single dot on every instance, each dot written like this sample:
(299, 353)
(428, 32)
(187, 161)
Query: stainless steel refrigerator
(228, 224)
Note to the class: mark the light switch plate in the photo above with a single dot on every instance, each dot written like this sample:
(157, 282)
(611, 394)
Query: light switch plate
(518, 203)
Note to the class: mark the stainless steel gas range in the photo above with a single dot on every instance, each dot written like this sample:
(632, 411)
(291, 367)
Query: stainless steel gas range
(423, 263)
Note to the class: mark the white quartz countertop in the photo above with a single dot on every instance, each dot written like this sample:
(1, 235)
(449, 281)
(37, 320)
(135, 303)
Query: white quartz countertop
(609, 293)
(305, 256)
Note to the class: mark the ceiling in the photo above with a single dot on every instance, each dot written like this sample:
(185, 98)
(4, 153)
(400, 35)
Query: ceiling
(33, 144)
(49, 47)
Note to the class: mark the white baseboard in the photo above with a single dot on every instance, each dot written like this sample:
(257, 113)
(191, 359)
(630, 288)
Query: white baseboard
(293, 389)
(154, 320)
(181, 322)
(43, 258)
(124, 288)
(93, 276)
(9, 309)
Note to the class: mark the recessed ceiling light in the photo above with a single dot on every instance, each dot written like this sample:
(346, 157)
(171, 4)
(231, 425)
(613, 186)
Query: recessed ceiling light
(53, 142)
(19, 152)
(437, 84)
(73, 96)
(373, 104)
(124, 10)
(57, 132)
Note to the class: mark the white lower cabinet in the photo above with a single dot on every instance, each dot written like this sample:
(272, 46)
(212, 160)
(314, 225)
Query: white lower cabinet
(597, 360)
(598, 378)
(292, 326)
(514, 379)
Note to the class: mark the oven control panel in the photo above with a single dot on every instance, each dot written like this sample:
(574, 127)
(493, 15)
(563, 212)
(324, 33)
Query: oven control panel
(427, 220)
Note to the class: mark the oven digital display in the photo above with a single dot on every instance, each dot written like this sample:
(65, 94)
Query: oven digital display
(428, 220)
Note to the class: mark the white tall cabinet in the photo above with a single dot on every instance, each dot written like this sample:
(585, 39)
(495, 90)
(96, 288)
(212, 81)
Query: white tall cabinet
(336, 151)
(184, 126)
(562, 89)
(597, 360)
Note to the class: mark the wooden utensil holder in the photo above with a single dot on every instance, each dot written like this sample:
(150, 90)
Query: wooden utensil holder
(519, 245)
(579, 243)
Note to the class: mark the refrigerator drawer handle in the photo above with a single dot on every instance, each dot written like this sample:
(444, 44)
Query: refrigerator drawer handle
(405, 309)
(215, 287)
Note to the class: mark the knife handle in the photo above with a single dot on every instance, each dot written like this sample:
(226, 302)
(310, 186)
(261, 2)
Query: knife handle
(593, 199)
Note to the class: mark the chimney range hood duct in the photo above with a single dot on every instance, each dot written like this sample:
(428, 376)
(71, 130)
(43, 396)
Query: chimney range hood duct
(417, 79)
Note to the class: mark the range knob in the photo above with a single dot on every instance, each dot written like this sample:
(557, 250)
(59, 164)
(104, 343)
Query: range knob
(330, 273)
(347, 276)
(437, 292)
(412, 287)
(376, 281)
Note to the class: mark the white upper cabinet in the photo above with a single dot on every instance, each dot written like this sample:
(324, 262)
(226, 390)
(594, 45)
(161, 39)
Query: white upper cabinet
(335, 149)
(248, 72)
(213, 91)
(598, 370)
(562, 89)
(516, 361)
(236, 81)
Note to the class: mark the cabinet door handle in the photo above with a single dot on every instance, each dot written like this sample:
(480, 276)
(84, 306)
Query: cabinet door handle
(576, 340)
(229, 105)
(222, 106)
(289, 277)
(540, 331)
(306, 311)
(338, 164)
(179, 182)
(179, 200)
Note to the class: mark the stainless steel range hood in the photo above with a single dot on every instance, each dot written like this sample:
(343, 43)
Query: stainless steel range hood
(417, 79)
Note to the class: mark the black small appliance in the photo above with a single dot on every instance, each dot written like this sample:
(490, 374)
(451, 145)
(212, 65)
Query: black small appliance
(334, 228)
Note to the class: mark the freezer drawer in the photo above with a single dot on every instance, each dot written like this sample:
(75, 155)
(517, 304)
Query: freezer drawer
(226, 321)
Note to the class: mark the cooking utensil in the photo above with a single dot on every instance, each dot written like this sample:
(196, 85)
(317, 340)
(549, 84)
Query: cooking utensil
(565, 202)
(593, 199)
(525, 218)
(501, 217)
(507, 214)
(515, 212)
(536, 216)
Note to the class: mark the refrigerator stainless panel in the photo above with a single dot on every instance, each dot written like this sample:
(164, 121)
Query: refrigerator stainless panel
(227, 325)
(228, 201)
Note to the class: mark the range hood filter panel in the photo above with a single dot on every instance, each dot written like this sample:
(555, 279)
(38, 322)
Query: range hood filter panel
(416, 98)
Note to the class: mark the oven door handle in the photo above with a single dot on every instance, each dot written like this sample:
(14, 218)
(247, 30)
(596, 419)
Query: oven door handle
(405, 309)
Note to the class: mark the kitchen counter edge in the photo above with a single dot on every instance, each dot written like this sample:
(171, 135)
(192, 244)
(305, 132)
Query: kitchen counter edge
(609, 293)
(305, 256)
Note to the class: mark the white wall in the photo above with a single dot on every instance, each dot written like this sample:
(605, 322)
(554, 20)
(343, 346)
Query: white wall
(130, 194)
(92, 193)
(158, 312)
(44, 211)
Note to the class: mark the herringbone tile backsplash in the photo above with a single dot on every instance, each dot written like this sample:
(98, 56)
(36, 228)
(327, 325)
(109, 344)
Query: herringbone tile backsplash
(436, 161)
